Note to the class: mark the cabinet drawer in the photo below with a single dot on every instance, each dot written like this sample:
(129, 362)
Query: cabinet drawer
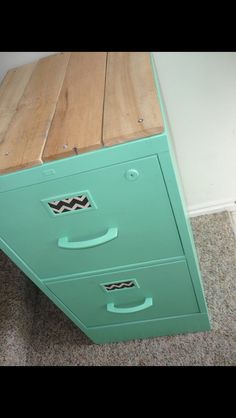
(114, 216)
(127, 296)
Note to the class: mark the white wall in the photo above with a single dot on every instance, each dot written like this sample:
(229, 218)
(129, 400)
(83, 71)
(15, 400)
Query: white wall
(199, 91)
(13, 59)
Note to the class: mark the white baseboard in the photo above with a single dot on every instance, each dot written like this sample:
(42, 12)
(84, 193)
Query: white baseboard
(214, 207)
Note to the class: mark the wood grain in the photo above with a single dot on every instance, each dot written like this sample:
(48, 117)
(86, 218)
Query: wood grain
(11, 91)
(71, 103)
(25, 138)
(131, 108)
(77, 124)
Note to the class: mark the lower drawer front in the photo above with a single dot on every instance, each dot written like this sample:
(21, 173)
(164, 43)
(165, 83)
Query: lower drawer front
(127, 296)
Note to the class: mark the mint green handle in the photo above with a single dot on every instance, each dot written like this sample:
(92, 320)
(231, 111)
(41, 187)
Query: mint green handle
(147, 303)
(108, 236)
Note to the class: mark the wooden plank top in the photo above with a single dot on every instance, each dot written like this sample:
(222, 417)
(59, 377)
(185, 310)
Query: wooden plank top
(69, 103)
(77, 123)
(131, 109)
(11, 90)
(24, 140)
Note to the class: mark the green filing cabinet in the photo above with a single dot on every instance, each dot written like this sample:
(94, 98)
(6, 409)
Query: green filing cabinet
(103, 232)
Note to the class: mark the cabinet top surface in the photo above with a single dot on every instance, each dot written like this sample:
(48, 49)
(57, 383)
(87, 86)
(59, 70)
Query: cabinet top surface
(70, 103)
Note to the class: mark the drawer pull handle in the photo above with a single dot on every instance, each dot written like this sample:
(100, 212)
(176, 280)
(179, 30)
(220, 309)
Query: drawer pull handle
(147, 304)
(111, 234)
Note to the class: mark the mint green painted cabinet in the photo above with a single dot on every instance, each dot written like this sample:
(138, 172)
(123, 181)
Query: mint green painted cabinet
(104, 234)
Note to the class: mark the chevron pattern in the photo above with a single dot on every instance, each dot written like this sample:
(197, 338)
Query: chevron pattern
(121, 285)
(70, 204)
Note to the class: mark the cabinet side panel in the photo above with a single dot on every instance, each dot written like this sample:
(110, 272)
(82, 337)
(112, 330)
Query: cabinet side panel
(173, 183)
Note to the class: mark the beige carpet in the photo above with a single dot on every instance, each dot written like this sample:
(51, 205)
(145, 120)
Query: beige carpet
(34, 332)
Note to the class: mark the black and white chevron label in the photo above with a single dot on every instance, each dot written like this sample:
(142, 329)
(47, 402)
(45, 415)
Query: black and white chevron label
(70, 204)
(120, 285)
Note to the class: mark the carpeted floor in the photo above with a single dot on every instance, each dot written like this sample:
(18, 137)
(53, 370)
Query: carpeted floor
(35, 332)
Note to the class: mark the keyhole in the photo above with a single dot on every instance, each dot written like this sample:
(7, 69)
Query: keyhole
(131, 174)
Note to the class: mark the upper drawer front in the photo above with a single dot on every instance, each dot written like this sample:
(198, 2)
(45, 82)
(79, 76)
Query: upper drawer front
(122, 212)
(128, 296)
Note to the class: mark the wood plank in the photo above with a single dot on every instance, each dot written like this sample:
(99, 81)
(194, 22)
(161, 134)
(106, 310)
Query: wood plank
(11, 91)
(77, 124)
(131, 108)
(24, 140)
